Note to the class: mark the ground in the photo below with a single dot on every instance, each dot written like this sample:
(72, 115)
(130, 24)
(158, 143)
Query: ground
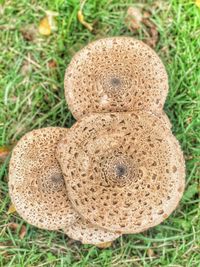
(32, 68)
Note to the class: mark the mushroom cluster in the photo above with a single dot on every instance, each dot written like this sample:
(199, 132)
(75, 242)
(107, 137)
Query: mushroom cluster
(118, 169)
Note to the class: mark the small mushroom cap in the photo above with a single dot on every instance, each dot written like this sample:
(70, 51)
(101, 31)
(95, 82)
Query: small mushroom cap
(115, 74)
(87, 233)
(36, 183)
(124, 171)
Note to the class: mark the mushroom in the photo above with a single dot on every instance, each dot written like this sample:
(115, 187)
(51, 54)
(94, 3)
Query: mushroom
(36, 183)
(38, 191)
(87, 233)
(113, 75)
(123, 171)
(163, 116)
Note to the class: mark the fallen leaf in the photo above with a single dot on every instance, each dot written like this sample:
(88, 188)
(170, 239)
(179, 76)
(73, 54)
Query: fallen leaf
(153, 33)
(44, 27)
(48, 23)
(11, 209)
(104, 245)
(15, 226)
(83, 22)
(52, 64)
(139, 18)
(146, 15)
(154, 37)
(4, 152)
(29, 32)
(150, 252)
(22, 232)
(197, 3)
(133, 18)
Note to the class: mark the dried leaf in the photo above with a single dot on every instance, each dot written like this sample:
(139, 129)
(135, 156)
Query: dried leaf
(153, 33)
(22, 232)
(11, 209)
(4, 152)
(146, 15)
(48, 23)
(197, 3)
(15, 226)
(134, 18)
(52, 64)
(150, 252)
(29, 32)
(104, 245)
(154, 37)
(83, 22)
(148, 23)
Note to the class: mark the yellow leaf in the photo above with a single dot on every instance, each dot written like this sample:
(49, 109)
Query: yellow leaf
(44, 27)
(104, 245)
(11, 209)
(48, 23)
(83, 22)
(4, 152)
(197, 3)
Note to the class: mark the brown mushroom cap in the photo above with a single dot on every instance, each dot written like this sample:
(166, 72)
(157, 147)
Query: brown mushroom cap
(115, 74)
(36, 183)
(89, 234)
(163, 116)
(124, 171)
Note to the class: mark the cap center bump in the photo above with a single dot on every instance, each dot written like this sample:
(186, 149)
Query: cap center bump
(115, 81)
(57, 178)
(120, 170)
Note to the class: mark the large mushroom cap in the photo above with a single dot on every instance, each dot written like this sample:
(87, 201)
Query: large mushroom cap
(124, 171)
(89, 234)
(115, 74)
(164, 118)
(36, 183)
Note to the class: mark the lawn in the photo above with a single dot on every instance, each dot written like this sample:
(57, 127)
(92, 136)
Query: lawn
(32, 70)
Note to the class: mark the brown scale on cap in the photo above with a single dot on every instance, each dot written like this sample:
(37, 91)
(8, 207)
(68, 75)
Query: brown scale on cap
(124, 171)
(115, 74)
(89, 234)
(36, 183)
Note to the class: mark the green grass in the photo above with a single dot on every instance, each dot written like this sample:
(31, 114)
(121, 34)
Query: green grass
(36, 99)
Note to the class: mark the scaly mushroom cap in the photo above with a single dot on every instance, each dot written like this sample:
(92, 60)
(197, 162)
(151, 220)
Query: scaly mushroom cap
(36, 183)
(124, 171)
(115, 74)
(89, 234)
(163, 116)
